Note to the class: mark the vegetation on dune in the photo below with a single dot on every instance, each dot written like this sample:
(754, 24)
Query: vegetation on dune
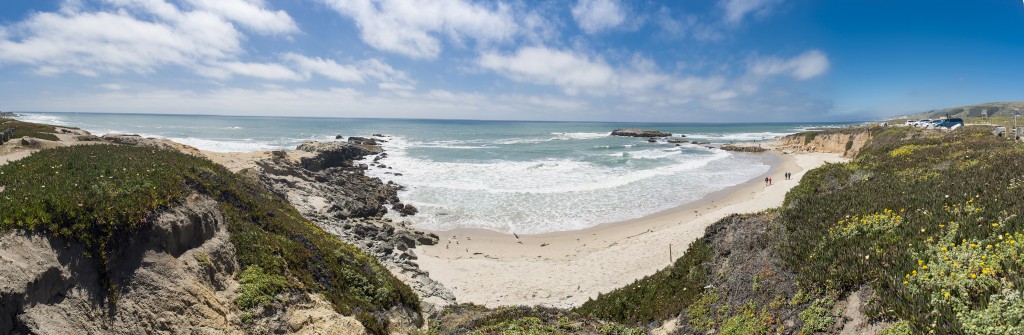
(659, 296)
(479, 320)
(101, 195)
(932, 223)
(929, 221)
(21, 129)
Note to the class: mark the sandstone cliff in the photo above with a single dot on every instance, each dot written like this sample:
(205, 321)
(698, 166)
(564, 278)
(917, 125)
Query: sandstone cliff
(845, 141)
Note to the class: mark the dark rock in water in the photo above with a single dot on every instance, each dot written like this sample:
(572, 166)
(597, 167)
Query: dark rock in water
(362, 140)
(742, 148)
(339, 137)
(651, 140)
(378, 135)
(7, 114)
(408, 210)
(630, 132)
(676, 140)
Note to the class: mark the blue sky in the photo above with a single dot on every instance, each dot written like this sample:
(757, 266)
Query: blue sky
(597, 60)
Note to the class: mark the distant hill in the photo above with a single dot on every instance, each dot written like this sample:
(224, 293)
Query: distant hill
(992, 109)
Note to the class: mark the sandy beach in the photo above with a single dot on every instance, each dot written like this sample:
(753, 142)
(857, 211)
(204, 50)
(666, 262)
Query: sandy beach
(565, 269)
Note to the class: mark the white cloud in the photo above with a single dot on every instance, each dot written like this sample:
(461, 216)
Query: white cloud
(113, 86)
(574, 73)
(594, 16)
(570, 71)
(251, 14)
(270, 71)
(807, 65)
(140, 36)
(334, 102)
(413, 27)
(356, 72)
(737, 10)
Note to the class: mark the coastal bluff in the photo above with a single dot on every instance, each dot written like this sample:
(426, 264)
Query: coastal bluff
(631, 132)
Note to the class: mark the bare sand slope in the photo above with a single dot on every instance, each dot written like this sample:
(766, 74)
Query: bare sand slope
(565, 269)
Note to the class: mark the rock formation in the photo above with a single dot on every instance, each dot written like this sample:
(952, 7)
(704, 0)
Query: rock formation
(630, 132)
(328, 187)
(742, 148)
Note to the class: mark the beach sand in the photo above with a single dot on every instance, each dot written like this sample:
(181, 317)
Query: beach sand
(565, 269)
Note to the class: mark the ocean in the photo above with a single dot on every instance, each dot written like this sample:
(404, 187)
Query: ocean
(506, 176)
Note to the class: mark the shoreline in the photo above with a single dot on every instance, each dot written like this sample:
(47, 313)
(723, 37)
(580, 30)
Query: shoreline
(564, 269)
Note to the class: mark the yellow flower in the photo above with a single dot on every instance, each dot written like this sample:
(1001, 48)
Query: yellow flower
(905, 282)
(974, 276)
(943, 248)
(947, 294)
(924, 267)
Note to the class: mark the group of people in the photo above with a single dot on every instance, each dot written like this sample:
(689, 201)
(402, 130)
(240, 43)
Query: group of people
(768, 180)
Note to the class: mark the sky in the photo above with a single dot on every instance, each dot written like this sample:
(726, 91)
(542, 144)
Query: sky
(568, 60)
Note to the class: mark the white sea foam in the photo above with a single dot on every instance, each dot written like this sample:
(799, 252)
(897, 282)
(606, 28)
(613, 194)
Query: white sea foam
(741, 137)
(557, 193)
(41, 118)
(578, 136)
(247, 145)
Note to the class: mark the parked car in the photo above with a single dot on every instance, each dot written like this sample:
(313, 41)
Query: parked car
(949, 122)
(923, 123)
(910, 123)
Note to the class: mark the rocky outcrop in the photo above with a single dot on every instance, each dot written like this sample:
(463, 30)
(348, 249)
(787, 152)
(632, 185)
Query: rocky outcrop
(137, 140)
(9, 115)
(331, 190)
(174, 277)
(334, 154)
(846, 142)
(742, 148)
(630, 132)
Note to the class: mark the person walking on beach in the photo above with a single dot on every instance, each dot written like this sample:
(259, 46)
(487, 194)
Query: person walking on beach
(769, 181)
(765, 181)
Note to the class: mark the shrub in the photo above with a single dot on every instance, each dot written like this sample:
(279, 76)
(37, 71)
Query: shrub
(818, 317)
(258, 288)
(657, 297)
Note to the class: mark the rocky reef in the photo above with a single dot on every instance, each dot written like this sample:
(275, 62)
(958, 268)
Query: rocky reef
(630, 132)
(325, 182)
(742, 148)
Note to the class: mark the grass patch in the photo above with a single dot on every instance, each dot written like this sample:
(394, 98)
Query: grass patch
(657, 297)
(101, 195)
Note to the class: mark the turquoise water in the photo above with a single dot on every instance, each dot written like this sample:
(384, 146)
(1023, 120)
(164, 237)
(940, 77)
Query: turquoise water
(524, 177)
